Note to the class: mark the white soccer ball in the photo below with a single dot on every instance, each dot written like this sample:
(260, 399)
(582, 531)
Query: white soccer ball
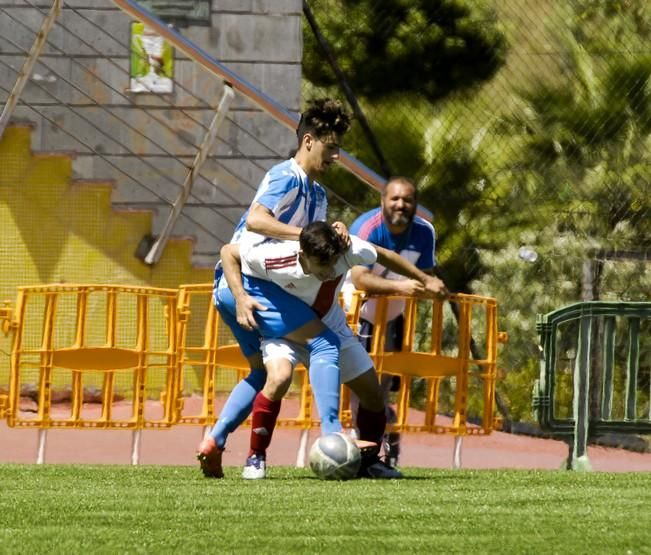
(335, 457)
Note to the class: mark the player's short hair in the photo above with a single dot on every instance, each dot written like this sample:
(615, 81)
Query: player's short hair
(323, 117)
(405, 181)
(319, 240)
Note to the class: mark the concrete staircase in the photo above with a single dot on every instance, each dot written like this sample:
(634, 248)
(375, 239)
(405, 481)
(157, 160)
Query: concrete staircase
(54, 228)
(78, 100)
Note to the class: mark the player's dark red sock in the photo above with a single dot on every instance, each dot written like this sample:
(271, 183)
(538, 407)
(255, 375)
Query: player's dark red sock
(371, 424)
(263, 422)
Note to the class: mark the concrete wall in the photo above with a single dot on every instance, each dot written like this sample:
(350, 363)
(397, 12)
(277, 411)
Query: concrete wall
(146, 142)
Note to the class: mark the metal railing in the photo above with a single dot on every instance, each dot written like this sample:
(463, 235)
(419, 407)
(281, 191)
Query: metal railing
(604, 340)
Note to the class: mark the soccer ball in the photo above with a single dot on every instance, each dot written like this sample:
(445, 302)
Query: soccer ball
(335, 457)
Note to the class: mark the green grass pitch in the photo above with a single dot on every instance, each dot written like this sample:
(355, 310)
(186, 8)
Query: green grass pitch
(152, 509)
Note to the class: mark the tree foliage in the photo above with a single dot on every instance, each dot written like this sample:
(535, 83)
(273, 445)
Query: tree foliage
(580, 158)
(435, 47)
(562, 165)
(578, 187)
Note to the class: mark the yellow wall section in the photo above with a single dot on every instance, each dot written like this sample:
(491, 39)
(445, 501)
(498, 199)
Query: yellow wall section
(55, 230)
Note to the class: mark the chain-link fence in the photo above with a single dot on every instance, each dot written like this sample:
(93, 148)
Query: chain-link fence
(527, 126)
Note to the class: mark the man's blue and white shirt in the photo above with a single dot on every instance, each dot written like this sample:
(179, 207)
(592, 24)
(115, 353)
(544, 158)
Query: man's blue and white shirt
(293, 199)
(417, 245)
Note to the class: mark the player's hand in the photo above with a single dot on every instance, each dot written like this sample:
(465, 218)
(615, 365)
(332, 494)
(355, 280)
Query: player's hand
(342, 231)
(410, 288)
(245, 307)
(435, 288)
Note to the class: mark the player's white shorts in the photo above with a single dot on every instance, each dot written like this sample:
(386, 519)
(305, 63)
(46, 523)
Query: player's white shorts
(353, 358)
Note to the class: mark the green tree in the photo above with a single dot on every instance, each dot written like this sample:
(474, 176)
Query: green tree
(577, 189)
(561, 163)
(403, 59)
(435, 47)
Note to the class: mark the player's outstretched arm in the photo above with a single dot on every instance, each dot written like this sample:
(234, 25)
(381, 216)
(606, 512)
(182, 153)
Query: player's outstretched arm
(419, 283)
(245, 304)
(365, 280)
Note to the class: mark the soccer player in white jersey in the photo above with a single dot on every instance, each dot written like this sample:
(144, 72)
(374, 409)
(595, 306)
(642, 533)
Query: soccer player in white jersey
(313, 270)
(288, 198)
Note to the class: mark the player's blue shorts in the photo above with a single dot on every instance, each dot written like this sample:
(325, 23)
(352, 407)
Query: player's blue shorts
(285, 313)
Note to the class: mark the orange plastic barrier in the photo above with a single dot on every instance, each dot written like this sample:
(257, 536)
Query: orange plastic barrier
(210, 362)
(215, 353)
(427, 357)
(104, 356)
(91, 356)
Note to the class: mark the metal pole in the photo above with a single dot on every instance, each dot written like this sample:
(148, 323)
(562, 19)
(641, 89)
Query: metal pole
(136, 438)
(157, 249)
(301, 455)
(456, 454)
(26, 70)
(42, 444)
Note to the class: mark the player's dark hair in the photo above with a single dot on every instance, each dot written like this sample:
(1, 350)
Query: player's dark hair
(323, 117)
(404, 180)
(319, 240)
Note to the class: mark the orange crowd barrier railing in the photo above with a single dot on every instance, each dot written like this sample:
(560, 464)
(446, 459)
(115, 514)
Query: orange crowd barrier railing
(117, 357)
(436, 360)
(210, 363)
(92, 356)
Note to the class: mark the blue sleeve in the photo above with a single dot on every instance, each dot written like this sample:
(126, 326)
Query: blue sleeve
(427, 259)
(358, 229)
(277, 188)
(354, 228)
(364, 230)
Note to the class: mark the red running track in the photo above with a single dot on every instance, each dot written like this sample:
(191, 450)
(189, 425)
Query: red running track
(176, 446)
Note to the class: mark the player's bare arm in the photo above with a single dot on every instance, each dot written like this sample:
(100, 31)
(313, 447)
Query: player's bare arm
(262, 220)
(365, 280)
(245, 304)
(419, 283)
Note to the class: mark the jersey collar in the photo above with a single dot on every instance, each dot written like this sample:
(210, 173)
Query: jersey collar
(301, 172)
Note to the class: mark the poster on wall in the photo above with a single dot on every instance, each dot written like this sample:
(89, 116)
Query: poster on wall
(152, 62)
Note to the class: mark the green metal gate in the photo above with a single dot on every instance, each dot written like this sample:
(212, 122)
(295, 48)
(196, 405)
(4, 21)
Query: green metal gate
(599, 353)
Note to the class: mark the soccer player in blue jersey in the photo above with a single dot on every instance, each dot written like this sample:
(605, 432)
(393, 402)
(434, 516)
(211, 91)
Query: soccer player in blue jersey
(288, 198)
(394, 226)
